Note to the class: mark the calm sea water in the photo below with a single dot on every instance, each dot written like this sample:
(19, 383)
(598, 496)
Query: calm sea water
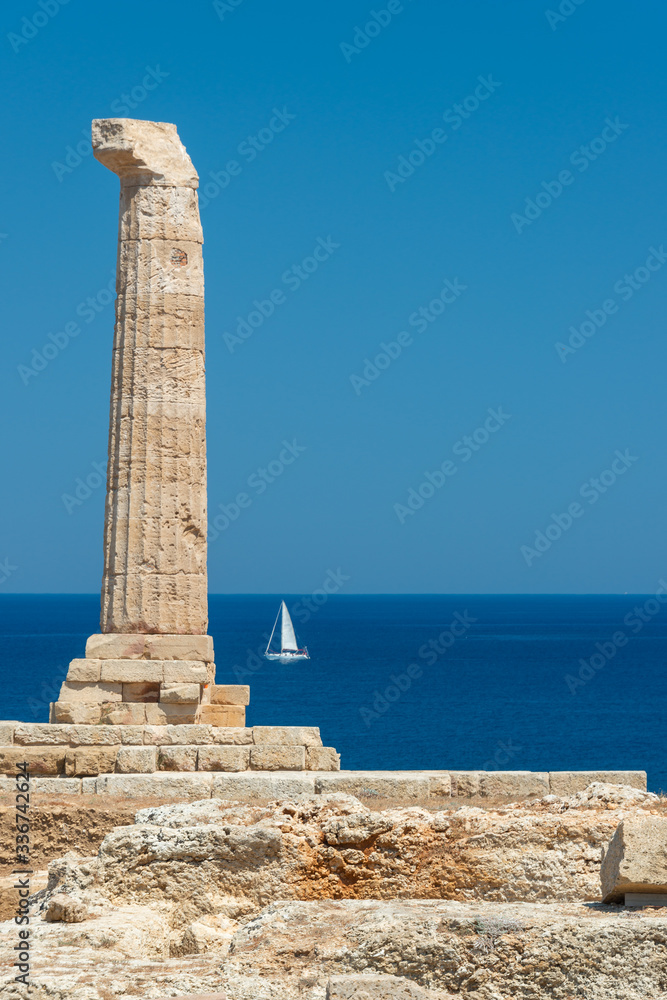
(495, 696)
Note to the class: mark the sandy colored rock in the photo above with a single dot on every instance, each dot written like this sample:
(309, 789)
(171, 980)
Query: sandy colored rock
(371, 987)
(161, 784)
(87, 671)
(566, 783)
(277, 758)
(465, 784)
(131, 671)
(322, 759)
(191, 735)
(230, 735)
(636, 858)
(128, 646)
(222, 758)
(7, 730)
(170, 758)
(305, 736)
(143, 692)
(375, 784)
(222, 715)
(89, 694)
(184, 672)
(513, 784)
(230, 694)
(136, 760)
(179, 694)
(65, 908)
(73, 713)
(40, 760)
(180, 647)
(90, 761)
(164, 714)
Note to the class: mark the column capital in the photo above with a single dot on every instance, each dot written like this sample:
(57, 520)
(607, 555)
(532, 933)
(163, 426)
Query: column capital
(143, 153)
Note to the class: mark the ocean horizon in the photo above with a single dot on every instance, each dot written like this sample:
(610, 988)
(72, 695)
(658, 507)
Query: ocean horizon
(404, 682)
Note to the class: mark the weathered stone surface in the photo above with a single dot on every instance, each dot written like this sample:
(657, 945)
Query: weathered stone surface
(513, 784)
(183, 672)
(164, 714)
(131, 671)
(116, 646)
(132, 735)
(161, 784)
(57, 785)
(180, 647)
(322, 759)
(250, 785)
(569, 782)
(439, 784)
(136, 760)
(155, 567)
(373, 987)
(86, 671)
(230, 694)
(73, 713)
(230, 735)
(62, 907)
(141, 692)
(90, 761)
(222, 758)
(89, 694)
(192, 735)
(124, 713)
(179, 694)
(465, 784)
(305, 736)
(171, 758)
(277, 758)
(636, 858)
(40, 760)
(375, 784)
(222, 715)
(7, 732)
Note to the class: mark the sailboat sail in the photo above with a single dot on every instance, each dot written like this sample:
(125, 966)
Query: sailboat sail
(287, 638)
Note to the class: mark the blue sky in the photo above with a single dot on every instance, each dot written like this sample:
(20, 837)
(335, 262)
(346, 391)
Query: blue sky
(481, 179)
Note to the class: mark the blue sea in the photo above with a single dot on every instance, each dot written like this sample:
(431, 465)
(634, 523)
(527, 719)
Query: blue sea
(409, 682)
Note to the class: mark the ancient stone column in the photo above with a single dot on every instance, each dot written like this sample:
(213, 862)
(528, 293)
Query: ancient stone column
(153, 661)
(155, 528)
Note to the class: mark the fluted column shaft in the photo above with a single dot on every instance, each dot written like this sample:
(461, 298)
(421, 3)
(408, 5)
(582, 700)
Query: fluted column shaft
(155, 526)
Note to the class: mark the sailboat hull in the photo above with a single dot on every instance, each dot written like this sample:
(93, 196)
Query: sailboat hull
(287, 657)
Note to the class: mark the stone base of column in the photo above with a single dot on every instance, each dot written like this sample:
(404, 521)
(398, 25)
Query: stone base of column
(135, 679)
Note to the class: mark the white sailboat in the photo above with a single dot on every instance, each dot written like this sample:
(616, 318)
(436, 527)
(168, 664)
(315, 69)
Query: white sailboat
(289, 647)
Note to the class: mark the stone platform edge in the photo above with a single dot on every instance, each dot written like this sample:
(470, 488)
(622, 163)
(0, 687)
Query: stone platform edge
(278, 784)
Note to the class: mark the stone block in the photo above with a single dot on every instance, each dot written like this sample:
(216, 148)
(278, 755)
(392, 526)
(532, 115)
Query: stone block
(465, 784)
(230, 694)
(88, 785)
(131, 671)
(116, 646)
(164, 714)
(322, 759)
(231, 735)
(513, 784)
(90, 694)
(305, 736)
(440, 784)
(56, 786)
(565, 783)
(252, 785)
(193, 735)
(7, 733)
(40, 760)
(180, 647)
(124, 713)
(277, 758)
(368, 986)
(136, 760)
(143, 692)
(132, 735)
(43, 734)
(375, 784)
(95, 735)
(72, 713)
(222, 758)
(90, 761)
(170, 758)
(161, 785)
(179, 694)
(183, 672)
(84, 671)
(222, 715)
(636, 858)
